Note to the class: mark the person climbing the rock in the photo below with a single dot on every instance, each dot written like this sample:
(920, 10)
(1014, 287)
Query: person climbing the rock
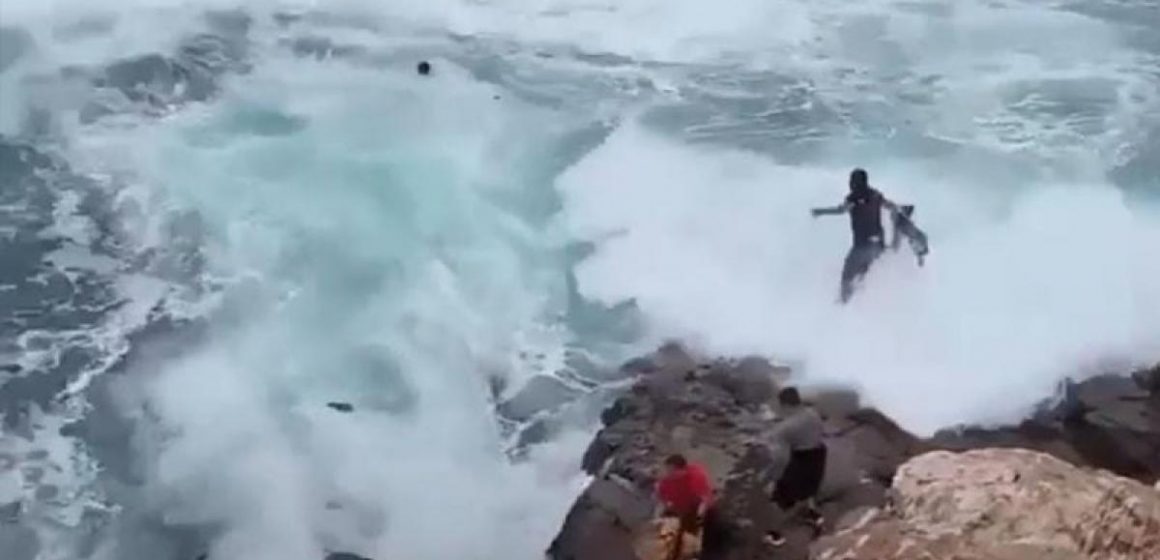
(864, 204)
(801, 434)
(686, 492)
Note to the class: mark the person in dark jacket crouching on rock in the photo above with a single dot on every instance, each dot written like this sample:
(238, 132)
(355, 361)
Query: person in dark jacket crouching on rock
(686, 492)
(801, 432)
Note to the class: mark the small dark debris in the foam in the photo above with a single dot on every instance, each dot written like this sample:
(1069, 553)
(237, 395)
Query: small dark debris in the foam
(341, 406)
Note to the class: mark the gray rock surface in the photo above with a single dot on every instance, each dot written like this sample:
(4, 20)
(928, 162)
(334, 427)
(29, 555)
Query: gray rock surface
(1109, 422)
(542, 392)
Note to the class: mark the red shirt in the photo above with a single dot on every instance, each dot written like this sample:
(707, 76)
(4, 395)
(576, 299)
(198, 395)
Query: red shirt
(685, 489)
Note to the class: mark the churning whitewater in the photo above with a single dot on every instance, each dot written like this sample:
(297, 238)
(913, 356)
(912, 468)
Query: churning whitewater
(218, 217)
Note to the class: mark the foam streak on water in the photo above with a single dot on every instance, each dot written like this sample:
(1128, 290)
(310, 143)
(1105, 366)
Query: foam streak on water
(305, 220)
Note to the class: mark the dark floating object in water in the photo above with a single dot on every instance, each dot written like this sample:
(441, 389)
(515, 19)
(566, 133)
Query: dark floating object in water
(424, 68)
(341, 406)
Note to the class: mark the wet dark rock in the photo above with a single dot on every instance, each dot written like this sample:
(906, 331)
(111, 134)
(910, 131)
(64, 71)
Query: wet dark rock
(637, 366)
(599, 525)
(1108, 422)
(580, 366)
(619, 410)
(541, 393)
(534, 433)
(1148, 380)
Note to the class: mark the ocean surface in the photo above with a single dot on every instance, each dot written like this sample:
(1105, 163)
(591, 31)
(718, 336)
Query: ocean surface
(217, 217)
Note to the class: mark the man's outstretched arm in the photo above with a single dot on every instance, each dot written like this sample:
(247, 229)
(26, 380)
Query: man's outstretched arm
(832, 210)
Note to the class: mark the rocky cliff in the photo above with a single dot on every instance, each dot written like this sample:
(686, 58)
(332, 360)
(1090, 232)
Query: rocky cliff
(719, 412)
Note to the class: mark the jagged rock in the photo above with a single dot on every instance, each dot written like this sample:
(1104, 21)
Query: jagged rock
(638, 366)
(673, 356)
(1109, 422)
(540, 393)
(976, 504)
(1148, 380)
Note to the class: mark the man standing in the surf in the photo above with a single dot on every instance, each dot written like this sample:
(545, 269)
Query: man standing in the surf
(864, 204)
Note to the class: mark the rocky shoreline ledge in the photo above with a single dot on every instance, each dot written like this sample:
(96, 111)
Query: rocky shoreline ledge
(1085, 463)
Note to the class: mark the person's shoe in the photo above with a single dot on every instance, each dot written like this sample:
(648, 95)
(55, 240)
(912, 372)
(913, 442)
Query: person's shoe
(774, 538)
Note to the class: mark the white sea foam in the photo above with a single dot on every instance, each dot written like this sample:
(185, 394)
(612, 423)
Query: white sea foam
(372, 232)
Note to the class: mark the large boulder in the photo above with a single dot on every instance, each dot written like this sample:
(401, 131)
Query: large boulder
(1001, 504)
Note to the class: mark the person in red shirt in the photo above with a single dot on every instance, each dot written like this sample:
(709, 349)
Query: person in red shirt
(686, 492)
